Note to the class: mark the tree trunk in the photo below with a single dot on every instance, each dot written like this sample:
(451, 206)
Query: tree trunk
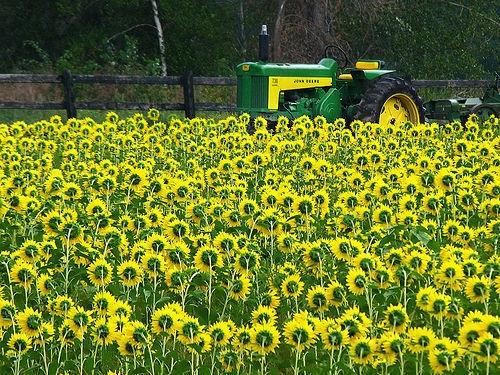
(319, 14)
(161, 41)
(241, 29)
(278, 27)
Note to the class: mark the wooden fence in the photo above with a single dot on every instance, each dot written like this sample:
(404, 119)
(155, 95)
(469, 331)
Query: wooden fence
(187, 81)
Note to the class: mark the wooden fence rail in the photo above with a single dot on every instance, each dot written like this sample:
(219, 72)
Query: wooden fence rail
(187, 81)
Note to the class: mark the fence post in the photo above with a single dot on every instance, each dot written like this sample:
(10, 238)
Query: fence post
(187, 82)
(69, 94)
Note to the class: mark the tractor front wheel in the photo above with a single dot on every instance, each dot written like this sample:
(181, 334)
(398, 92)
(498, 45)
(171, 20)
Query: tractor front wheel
(391, 101)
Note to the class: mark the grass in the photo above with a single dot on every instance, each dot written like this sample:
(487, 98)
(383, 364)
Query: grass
(30, 116)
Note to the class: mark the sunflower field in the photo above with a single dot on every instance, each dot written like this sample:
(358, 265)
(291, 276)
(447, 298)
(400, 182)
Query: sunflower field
(142, 246)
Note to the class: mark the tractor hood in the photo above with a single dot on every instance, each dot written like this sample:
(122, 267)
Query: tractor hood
(325, 68)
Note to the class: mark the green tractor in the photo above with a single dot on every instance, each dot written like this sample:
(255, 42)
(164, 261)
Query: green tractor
(366, 91)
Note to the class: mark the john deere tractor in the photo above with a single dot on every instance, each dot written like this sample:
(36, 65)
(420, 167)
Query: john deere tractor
(367, 91)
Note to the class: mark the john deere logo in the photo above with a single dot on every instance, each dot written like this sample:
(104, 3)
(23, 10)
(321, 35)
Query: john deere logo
(306, 81)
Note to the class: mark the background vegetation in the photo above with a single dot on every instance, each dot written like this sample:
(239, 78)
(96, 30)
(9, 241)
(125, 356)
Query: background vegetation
(426, 38)
(431, 39)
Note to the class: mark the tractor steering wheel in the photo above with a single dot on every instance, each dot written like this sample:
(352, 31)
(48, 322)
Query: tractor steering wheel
(344, 59)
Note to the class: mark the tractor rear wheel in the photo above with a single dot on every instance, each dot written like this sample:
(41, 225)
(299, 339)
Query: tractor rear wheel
(391, 101)
(484, 111)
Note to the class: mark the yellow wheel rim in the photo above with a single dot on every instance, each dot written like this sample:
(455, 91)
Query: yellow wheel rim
(398, 109)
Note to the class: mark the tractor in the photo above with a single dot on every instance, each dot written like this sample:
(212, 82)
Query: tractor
(446, 110)
(366, 92)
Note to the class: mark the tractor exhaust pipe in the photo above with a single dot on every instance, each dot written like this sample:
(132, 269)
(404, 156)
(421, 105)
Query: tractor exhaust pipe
(263, 44)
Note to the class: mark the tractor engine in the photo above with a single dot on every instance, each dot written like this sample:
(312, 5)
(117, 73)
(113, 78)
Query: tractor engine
(294, 88)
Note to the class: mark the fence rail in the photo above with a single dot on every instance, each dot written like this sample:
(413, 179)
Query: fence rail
(187, 81)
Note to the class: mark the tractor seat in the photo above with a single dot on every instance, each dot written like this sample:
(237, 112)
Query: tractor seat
(362, 65)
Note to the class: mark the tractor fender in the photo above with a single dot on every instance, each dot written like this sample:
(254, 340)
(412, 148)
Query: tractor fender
(369, 75)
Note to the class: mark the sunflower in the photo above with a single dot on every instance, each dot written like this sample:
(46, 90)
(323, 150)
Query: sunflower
(97, 208)
(487, 348)
(30, 321)
(153, 264)
(445, 179)
(450, 275)
(102, 303)
(126, 346)
(20, 343)
(383, 215)
(391, 347)
(269, 298)
(444, 357)
(130, 273)
(62, 304)
(362, 350)
(420, 339)
(304, 206)
(292, 286)
(23, 273)
(470, 332)
(317, 298)
(477, 289)
(357, 281)
(299, 334)
(120, 308)
(79, 319)
(344, 248)
(332, 335)
(220, 333)
(188, 329)
(208, 259)
(100, 272)
(164, 319)
(7, 313)
(230, 360)
(136, 180)
(335, 294)
(264, 314)
(116, 325)
(70, 229)
(101, 332)
(177, 229)
(247, 261)
(396, 318)
(30, 251)
(226, 242)
(242, 339)
(136, 333)
(265, 338)
(383, 277)
(438, 304)
(44, 284)
(240, 287)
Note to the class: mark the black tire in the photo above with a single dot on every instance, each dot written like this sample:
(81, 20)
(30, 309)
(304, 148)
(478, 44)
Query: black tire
(484, 110)
(373, 100)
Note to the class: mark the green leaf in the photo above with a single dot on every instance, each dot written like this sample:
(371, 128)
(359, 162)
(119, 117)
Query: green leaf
(138, 370)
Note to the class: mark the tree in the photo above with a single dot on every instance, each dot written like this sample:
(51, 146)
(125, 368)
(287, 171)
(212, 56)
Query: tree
(161, 42)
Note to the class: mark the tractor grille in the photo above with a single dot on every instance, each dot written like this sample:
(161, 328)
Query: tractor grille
(259, 91)
(239, 91)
